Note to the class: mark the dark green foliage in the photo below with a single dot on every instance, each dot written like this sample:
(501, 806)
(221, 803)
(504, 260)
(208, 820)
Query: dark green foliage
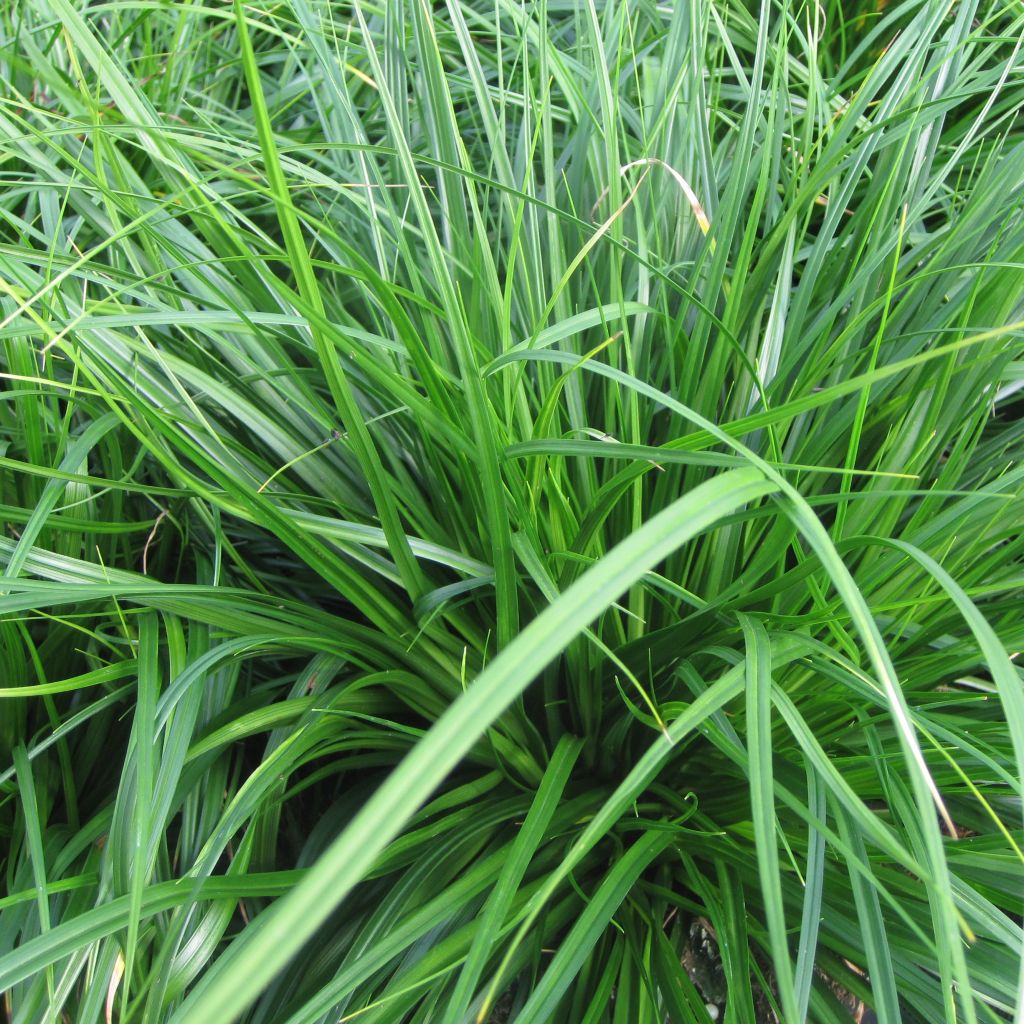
(513, 512)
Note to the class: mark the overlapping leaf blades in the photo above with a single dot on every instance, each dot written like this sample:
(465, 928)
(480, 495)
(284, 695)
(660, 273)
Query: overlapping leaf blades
(494, 492)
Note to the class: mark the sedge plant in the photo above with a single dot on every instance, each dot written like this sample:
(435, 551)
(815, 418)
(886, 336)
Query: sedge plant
(512, 512)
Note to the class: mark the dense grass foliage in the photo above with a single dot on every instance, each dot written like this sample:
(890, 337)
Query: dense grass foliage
(513, 512)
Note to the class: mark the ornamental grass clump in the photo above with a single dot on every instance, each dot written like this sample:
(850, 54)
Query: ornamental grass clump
(512, 512)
